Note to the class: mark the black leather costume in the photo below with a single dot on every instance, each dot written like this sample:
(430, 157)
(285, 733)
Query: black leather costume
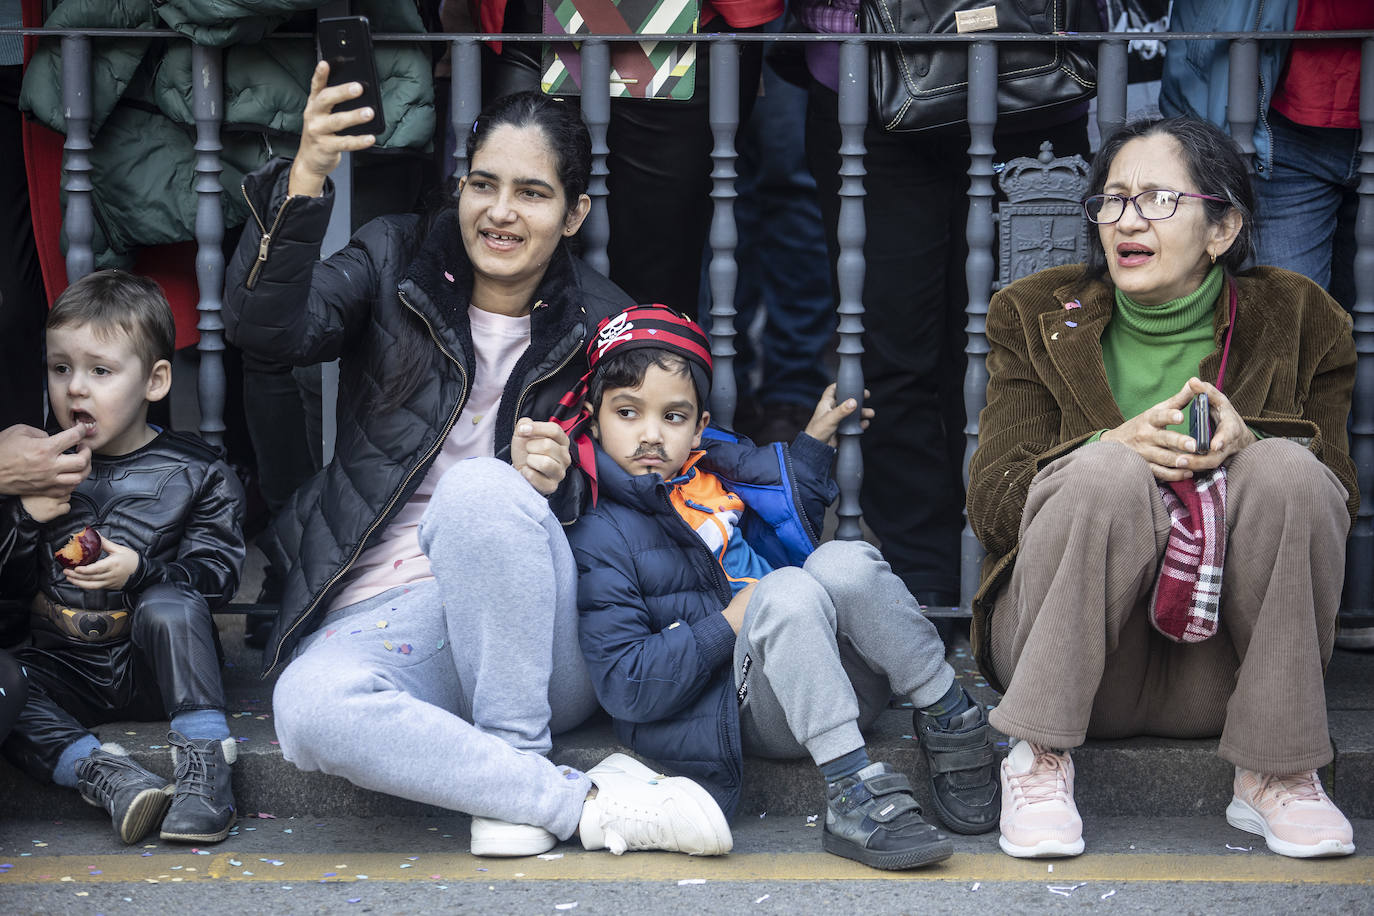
(149, 650)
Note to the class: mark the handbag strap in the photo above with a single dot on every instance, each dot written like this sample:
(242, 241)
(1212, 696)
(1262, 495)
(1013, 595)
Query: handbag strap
(1226, 348)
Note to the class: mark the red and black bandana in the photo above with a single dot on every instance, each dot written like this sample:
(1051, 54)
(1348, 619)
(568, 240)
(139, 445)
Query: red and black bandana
(654, 326)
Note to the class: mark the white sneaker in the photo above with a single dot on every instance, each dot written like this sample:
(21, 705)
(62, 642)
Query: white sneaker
(636, 808)
(491, 837)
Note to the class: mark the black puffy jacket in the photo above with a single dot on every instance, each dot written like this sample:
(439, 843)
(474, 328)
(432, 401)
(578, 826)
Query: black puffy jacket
(282, 303)
(174, 501)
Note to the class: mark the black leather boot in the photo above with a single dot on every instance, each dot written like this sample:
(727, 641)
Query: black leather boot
(203, 801)
(135, 798)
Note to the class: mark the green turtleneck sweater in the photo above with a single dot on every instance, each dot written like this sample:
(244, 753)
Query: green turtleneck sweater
(1150, 350)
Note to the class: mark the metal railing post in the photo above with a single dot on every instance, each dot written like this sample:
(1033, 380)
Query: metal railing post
(465, 97)
(1359, 556)
(724, 270)
(1242, 102)
(849, 275)
(1111, 87)
(596, 111)
(978, 272)
(207, 102)
(79, 220)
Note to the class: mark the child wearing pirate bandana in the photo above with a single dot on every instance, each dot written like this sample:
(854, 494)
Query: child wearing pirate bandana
(121, 625)
(715, 626)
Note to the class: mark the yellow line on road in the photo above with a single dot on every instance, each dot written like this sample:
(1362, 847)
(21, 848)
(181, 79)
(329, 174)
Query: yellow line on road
(577, 865)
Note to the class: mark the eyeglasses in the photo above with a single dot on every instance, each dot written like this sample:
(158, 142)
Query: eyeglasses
(1157, 203)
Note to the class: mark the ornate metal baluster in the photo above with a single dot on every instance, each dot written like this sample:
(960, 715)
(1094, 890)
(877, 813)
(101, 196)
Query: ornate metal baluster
(596, 111)
(207, 102)
(724, 271)
(79, 220)
(982, 120)
(1359, 558)
(465, 97)
(1111, 87)
(849, 275)
(1242, 103)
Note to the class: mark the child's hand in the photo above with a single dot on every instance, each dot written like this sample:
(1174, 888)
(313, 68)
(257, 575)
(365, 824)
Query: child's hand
(825, 422)
(46, 508)
(109, 572)
(734, 611)
(539, 451)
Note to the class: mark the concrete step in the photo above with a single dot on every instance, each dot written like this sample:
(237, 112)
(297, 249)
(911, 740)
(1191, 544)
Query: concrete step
(1140, 777)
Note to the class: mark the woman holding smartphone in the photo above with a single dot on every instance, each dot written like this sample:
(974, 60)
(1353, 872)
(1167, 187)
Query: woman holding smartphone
(428, 627)
(1140, 581)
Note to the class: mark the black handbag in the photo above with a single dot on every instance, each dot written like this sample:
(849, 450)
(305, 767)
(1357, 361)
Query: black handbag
(924, 86)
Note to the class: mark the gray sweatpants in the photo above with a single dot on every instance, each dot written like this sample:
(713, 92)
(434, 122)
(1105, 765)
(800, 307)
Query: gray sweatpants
(822, 649)
(447, 692)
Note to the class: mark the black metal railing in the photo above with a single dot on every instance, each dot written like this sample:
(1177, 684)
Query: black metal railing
(982, 51)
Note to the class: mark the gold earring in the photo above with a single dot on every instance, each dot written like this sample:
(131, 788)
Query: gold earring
(1213, 256)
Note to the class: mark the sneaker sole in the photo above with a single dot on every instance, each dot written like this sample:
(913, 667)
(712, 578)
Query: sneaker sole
(145, 812)
(889, 860)
(529, 844)
(200, 837)
(1045, 849)
(1240, 815)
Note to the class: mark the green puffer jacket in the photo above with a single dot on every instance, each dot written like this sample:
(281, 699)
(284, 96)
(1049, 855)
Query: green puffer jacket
(142, 125)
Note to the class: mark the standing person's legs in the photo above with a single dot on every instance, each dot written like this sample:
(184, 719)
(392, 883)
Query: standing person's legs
(1298, 205)
(23, 303)
(660, 185)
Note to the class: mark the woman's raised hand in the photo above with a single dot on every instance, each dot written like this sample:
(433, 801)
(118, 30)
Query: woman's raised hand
(322, 146)
(1171, 454)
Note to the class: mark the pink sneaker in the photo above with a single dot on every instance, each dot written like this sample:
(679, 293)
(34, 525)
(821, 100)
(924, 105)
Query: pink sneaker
(1292, 813)
(1039, 817)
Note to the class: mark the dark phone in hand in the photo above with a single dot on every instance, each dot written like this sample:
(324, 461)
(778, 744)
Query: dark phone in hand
(345, 43)
(1200, 424)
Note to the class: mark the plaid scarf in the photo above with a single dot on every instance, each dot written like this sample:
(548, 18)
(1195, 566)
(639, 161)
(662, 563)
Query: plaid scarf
(654, 326)
(1186, 603)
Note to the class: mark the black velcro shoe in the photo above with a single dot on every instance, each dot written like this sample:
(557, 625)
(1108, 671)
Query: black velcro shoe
(203, 801)
(872, 817)
(964, 781)
(135, 798)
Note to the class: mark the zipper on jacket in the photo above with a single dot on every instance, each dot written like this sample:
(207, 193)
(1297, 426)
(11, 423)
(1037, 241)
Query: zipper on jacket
(1263, 105)
(796, 497)
(266, 242)
(520, 401)
(424, 461)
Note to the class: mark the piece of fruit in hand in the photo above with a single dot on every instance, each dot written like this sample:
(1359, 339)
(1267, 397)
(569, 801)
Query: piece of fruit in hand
(82, 548)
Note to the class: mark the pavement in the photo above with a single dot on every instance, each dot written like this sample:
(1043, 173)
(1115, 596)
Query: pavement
(306, 842)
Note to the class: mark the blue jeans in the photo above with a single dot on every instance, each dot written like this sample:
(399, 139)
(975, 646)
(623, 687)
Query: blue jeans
(783, 265)
(1306, 208)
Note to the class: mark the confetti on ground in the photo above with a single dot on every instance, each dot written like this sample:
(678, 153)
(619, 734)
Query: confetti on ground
(550, 856)
(381, 624)
(763, 898)
(354, 899)
(267, 817)
(1106, 895)
(763, 815)
(976, 885)
(565, 906)
(1051, 868)
(1064, 890)
(691, 881)
(1239, 848)
(406, 865)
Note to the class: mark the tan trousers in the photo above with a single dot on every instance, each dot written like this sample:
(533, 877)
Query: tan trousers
(1071, 637)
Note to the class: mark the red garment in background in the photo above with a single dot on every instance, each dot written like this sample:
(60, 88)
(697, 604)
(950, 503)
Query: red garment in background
(173, 267)
(1321, 85)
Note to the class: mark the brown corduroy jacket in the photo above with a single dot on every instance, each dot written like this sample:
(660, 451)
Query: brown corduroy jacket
(1290, 373)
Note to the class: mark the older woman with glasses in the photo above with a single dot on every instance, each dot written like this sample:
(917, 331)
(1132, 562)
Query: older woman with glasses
(1164, 488)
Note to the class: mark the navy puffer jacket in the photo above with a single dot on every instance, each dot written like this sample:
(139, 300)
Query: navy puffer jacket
(390, 284)
(650, 594)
